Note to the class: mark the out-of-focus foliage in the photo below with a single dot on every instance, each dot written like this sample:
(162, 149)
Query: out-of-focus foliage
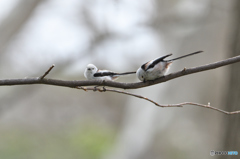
(89, 142)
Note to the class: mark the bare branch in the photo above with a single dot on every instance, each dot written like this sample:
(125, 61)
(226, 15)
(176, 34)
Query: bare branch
(159, 105)
(73, 84)
(205, 106)
(47, 72)
(127, 93)
(80, 84)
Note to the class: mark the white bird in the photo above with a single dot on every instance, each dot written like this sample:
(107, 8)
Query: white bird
(93, 73)
(157, 68)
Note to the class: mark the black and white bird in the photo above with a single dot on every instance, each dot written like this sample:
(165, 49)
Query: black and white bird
(93, 73)
(157, 68)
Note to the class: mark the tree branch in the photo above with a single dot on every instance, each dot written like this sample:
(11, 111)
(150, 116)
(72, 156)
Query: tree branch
(80, 84)
(159, 105)
(73, 84)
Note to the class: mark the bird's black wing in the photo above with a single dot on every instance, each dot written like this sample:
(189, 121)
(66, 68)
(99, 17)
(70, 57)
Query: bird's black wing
(156, 61)
(101, 74)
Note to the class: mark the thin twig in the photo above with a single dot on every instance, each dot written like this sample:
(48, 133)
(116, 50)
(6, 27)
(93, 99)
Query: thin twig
(159, 105)
(205, 106)
(47, 72)
(127, 93)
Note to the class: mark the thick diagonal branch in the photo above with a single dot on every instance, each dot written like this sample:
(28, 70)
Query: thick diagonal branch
(73, 84)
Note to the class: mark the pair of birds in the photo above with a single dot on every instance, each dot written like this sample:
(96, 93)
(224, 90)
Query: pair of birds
(150, 70)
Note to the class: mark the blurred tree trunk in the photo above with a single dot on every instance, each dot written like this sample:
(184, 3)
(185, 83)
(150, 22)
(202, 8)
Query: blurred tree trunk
(15, 20)
(232, 122)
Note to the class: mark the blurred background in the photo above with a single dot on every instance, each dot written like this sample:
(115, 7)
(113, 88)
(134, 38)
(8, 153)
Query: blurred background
(41, 121)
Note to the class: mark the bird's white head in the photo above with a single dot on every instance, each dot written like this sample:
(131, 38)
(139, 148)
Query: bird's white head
(90, 70)
(140, 74)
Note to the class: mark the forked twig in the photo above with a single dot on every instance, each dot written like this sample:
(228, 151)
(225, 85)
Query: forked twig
(159, 105)
(122, 92)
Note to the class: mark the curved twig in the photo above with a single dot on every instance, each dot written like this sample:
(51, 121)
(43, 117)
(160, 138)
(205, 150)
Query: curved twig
(159, 105)
(124, 92)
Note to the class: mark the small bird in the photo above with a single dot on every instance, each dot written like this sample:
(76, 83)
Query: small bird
(157, 68)
(93, 73)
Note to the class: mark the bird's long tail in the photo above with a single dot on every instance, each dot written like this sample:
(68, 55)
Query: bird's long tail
(197, 52)
(101, 74)
(125, 73)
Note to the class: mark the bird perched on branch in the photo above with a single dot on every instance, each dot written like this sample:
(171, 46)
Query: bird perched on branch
(156, 68)
(93, 73)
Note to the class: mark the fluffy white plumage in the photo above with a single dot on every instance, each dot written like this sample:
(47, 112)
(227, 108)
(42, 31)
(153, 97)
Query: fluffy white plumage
(157, 71)
(93, 73)
(157, 68)
(92, 69)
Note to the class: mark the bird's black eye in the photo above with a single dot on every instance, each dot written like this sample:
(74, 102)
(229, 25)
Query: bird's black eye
(89, 69)
(142, 76)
